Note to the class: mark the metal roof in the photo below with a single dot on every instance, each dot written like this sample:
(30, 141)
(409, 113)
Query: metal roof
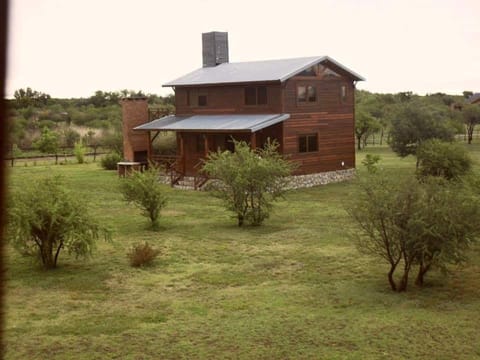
(254, 71)
(473, 98)
(248, 123)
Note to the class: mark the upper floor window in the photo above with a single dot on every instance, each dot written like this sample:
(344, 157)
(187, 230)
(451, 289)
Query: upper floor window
(306, 93)
(256, 95)
(196, 98)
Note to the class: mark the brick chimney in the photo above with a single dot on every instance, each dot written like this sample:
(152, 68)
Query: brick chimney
(214, 48)
(135, 143)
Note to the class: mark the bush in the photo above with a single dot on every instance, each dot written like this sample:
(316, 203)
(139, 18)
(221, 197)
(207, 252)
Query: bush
(442, 159)
(144, 190)
(142, 255)
(45, 218)
(79, 152)
(109, 161)
(249, 180)
(371, 163)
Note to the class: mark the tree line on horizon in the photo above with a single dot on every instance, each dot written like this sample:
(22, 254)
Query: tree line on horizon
(96, 120)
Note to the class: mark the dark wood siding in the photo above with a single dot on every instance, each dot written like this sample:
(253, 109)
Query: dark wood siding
(228, 99)
(329, 117)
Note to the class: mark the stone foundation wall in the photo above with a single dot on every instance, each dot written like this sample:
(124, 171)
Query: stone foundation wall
(296, 182)
(305, 181)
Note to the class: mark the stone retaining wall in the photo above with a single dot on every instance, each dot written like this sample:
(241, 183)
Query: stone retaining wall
(309, 180)
(296, 182)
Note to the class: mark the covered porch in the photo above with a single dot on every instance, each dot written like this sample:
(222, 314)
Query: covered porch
(197, 135)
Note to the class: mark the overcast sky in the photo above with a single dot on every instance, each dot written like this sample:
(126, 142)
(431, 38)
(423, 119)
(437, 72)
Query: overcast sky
(71, 48)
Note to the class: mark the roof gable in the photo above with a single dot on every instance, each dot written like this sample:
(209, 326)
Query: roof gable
(255, 71)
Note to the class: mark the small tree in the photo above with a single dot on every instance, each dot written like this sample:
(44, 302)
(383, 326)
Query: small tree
(471, 118)
(248, 180)
(48, 143)
(444, 159)
(144, 190)
(371, 163)
(80, 151)
(412, 224)
(365, 125)
(45, 218)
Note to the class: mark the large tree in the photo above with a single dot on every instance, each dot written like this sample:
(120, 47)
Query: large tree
(412, 123)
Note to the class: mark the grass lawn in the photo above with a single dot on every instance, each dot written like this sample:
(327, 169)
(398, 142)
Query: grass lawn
(294, 288)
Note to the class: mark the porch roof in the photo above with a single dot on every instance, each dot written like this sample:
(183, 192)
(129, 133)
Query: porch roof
(214, 123)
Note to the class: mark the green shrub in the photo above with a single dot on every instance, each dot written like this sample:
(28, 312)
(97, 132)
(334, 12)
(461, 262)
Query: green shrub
(371, 162)
(144, 190)
(109, 161)
(142, 255)
(45, 218)
(249, 180)
(442, 159)
(80, 152)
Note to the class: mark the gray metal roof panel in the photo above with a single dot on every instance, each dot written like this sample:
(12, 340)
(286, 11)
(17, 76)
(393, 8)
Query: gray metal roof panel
(250, 122)
(473, 98)
(253, 71)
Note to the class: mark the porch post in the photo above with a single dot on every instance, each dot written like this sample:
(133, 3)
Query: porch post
(253, 141)
(149, 149)
(205, 139)
(182, 153)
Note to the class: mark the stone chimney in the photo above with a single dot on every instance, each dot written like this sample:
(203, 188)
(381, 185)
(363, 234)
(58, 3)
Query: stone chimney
(215, 48)
(135, 143)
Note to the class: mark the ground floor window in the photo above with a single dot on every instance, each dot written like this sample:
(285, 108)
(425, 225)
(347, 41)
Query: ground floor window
(308, 143)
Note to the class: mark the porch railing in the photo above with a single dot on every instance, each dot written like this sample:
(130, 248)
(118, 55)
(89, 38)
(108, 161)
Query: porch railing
(200, 177)
(171, 164)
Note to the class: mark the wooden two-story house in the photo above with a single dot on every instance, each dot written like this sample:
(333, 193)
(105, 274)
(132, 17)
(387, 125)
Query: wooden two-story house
(305, 104)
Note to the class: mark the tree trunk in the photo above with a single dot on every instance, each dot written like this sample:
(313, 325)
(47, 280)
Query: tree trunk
(470, 134)
(404, 280)
(419, 281)
(381, 137)
(359, 142)
(391, 280)
(240, 220)
(48, 260)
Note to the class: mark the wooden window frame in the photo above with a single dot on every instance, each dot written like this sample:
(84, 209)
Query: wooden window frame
(308, 148)
(257, 103)
(307, 101)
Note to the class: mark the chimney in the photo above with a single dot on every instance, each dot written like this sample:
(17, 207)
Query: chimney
(135, 143)
(215, 48)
